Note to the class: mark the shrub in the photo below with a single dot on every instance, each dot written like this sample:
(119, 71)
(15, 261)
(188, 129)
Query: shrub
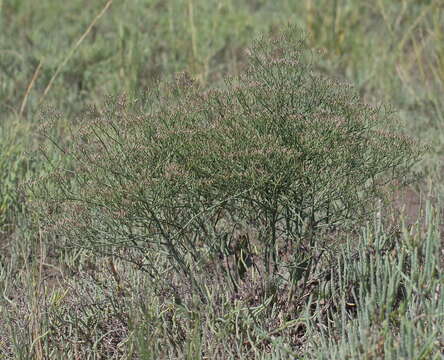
(224, 179)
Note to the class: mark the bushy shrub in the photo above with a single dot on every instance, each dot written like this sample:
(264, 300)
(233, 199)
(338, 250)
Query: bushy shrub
(224, 179)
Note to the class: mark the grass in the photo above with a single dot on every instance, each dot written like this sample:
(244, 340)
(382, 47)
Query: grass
(377, 294)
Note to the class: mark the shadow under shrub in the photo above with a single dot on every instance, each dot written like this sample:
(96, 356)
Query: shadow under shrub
(192, 182)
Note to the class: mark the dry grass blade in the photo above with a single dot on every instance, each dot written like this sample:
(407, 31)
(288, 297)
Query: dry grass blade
(63, 63)
(28, 89)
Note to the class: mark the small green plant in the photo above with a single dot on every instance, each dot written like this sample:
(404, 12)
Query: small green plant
(258, 170)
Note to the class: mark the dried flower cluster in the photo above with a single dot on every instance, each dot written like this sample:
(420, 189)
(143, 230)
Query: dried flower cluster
(283, 151)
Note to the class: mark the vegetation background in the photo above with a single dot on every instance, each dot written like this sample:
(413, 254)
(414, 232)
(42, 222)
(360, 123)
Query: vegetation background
(71, 303)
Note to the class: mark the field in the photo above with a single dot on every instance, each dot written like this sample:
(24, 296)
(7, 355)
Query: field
(166, 193)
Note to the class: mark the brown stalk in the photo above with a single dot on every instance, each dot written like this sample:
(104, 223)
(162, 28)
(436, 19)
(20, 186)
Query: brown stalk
(63, 63)
(28, 89)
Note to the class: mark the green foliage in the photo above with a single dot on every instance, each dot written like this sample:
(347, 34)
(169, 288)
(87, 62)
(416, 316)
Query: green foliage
(377, 297)
(134, 42)
(283, 152)
(386, 287)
